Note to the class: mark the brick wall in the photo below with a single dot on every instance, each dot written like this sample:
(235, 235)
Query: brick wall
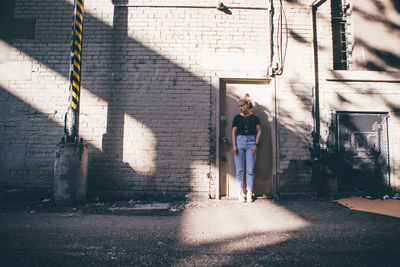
(33, 92)
(146, 89)
(147, 96)
(295, 122)
(157, 93)
(356, 91)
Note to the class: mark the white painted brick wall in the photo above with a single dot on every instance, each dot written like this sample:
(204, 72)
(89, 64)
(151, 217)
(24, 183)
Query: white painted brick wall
(146, 97)
(146, 93)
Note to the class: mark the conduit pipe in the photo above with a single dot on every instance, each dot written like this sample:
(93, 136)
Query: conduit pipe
(316, 150)
(192, 6)
(271, 34)
(316, 115)
(275, 81)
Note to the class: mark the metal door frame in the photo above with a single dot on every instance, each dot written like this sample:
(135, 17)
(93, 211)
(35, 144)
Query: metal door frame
(218, 81)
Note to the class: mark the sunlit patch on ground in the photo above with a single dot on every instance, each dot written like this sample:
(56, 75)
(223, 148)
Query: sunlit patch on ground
(389, 207)
(240, 226)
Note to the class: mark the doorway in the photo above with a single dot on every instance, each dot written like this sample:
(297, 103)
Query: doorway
(363, 151)
(262, 94)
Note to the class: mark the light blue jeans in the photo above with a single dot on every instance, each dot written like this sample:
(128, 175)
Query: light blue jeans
(245, 158)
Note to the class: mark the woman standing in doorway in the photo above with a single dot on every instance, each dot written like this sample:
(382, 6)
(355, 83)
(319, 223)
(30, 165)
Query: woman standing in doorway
(246, 134)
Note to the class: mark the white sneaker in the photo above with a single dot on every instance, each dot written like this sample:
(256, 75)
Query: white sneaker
(249, 196)
(241, 197)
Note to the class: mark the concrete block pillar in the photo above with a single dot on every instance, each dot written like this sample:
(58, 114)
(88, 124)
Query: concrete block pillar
(70, 173)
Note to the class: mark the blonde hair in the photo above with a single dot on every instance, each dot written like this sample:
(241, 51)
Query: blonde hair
(246, 99)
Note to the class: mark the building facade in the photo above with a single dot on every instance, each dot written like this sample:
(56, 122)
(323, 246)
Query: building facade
(160, 81)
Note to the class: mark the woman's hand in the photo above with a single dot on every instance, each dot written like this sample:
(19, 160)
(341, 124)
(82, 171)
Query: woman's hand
(234, 147)
(254, 151)
(235, 150)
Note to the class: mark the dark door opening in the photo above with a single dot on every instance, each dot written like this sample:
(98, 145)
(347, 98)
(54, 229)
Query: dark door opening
(362, 151)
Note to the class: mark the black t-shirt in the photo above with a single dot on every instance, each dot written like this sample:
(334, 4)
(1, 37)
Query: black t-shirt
(246, 125)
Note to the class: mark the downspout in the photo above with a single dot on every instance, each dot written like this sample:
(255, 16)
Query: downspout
(317, 173)
(271, 73)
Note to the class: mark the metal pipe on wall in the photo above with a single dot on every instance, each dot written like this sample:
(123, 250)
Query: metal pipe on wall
(181, 6)
(316, 149)
(316, 116)
(71, 127)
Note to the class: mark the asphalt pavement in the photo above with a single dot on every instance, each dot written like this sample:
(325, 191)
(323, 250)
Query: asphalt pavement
(288, 232)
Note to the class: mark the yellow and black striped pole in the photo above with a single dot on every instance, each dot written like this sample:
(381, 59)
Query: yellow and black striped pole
(72, 117)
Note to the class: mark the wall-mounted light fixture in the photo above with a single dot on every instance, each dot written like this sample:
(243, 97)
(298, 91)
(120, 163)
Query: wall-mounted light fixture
(223, 8)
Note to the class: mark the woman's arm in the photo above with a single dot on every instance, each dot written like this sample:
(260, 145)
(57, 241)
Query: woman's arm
(234, 147)
(258, 137)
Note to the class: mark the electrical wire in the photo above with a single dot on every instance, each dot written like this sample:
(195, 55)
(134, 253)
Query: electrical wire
(281, 44)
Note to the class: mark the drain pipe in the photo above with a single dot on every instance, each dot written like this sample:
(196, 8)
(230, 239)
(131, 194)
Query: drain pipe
(271, 73)
(316, 114)
(316, 148)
